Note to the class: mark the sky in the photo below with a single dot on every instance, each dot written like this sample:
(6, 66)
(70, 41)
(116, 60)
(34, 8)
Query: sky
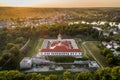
(60, 3)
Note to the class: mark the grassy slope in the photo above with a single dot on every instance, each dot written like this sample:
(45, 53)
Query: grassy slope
(39, 45)
(96, 52)
(81, 47)
(34, 47)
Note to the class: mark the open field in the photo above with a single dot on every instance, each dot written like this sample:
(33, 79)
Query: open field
(34, 46)
(86, 53)
(40, 42)
(92, 46)
(82, 48)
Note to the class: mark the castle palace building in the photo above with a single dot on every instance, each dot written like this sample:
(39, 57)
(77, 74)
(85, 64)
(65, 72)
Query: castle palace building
(60, 47)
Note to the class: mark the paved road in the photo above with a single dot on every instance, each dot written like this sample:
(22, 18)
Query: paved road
(25, 45)
(85, 47)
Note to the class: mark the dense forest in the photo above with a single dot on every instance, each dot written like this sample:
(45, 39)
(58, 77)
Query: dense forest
(87, 14)
(100, 74)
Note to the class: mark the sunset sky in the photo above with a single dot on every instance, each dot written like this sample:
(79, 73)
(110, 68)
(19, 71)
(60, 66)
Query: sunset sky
(60, 3)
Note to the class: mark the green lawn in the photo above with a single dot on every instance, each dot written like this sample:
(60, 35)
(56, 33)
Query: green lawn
(39, 45)
(81, 47)
(86, 53)
(34, 46)
(92, 46)
(85, 38)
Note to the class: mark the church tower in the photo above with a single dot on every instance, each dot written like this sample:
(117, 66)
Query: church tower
(59, 37)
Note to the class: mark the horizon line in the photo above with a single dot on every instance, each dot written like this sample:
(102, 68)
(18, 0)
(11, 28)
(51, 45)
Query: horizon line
(61, 7)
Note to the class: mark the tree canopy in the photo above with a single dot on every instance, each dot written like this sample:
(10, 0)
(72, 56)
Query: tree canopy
(101, 74)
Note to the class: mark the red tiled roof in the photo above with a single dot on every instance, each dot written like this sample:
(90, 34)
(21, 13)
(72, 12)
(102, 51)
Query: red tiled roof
(54, 43)
(60, 49)
(60, 46)
(65, 43)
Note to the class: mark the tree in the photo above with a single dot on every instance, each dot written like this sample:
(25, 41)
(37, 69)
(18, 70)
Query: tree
(19, 40)
(10, 45)
(67, 75)
(2, 78)
(115, 73)
(83, 76)
(47, 78)
(31, 76)
(110, 60)
(6, 56)
(106, 51)
(15, 50)
(41, 77)
(3, 75)
(34, 76)
(103, 74)
(118, 49)
(53, 77)
(9, 36)
(2, 61)
(109, 56)
(111, 33)
(106, 24)
(12, 75)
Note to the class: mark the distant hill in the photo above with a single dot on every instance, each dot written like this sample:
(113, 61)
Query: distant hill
(10, 12)
(111, 14)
